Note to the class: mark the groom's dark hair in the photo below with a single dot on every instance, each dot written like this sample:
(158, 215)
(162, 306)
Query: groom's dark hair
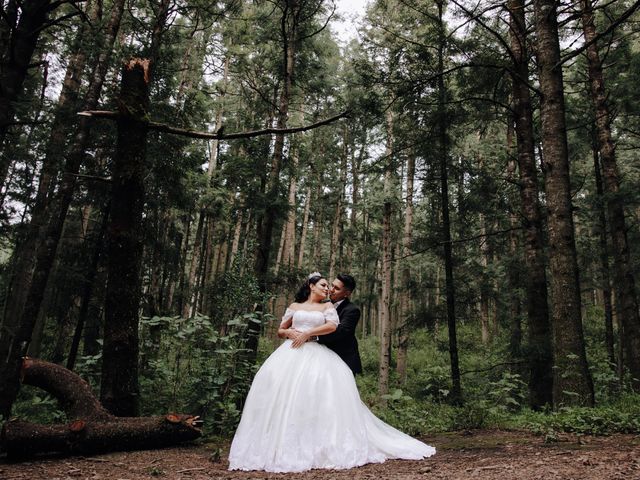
(348, 281)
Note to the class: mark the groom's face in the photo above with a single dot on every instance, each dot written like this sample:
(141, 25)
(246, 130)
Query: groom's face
(338, 291)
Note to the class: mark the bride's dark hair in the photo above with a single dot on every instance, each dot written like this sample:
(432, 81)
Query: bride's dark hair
(305, 289)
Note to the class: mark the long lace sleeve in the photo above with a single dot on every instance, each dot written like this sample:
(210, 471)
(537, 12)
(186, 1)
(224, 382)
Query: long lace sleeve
(331, 315)
(288, 314)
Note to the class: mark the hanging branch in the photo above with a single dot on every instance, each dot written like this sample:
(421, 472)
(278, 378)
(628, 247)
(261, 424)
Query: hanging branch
(161, 127)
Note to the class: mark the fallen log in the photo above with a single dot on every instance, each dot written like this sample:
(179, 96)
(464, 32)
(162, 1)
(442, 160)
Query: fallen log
(73, 393)
(24, 439)
(92, 429)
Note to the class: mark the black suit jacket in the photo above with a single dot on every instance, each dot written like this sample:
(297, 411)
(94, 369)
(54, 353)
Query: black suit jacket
(343, 340)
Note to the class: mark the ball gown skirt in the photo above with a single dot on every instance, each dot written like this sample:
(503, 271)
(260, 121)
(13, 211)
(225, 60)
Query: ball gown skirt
(303, 411)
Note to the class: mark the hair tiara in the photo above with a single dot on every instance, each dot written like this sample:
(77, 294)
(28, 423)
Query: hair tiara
(314, 274)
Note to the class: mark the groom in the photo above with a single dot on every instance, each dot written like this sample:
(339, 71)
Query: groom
(343, 340)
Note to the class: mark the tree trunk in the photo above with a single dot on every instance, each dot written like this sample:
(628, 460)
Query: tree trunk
(119, 386)
(154, 300)
(337, 217)
(305, 228)
(539, 340)
(68, 280)
(175, 261)
(248, 230)
(289, 247)
(190, 278)
(66, 322)
(182, 259)
(286, 252)
(443, 153)
(87, 289)
(572, 383)
(95, 314)
(515, 326)
(485, 331)
(385, 298)
(202, 275)
(159, 28)
(237, 232)
(211, 250)
(283, 235)
(356, 162)
(605, 277)
(318, 220)
(624, 286)
(224, 251)
(406, 289)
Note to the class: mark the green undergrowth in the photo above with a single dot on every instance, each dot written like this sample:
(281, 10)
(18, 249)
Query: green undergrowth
(493, 397)
(202, 367)
(622, 416)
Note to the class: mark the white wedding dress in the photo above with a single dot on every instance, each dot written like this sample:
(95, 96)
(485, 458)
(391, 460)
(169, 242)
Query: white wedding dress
(304, 411)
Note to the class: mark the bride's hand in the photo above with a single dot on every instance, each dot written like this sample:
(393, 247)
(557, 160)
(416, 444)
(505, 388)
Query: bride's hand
(292, 333)
(300, 340)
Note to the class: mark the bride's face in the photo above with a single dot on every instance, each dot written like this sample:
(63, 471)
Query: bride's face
(321, 288)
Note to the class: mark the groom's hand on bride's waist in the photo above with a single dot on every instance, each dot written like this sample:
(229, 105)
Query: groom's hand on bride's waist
(300, 340)
(293, 334)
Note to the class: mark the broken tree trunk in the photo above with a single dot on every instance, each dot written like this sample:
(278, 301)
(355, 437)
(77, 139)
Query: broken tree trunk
(92, 429)
(119, 389)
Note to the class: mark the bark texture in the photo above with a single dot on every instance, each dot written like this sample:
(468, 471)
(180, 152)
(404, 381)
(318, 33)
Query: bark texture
(119, 386)
(626, 297)
(336, 229)
(405, 297)
(572, 383)
(385, 297)
(443, 153)
(539, 337)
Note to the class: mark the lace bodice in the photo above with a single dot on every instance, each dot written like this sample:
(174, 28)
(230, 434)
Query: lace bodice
(304, 320)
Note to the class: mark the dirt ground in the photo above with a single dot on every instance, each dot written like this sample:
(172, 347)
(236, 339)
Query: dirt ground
(486, 455)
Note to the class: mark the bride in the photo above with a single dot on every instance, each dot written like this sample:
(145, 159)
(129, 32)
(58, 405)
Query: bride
(304, 411)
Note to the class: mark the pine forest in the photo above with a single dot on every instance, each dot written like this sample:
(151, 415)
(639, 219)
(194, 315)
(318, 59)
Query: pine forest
(172, 171)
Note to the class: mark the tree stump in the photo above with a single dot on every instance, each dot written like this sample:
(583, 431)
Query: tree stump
(91, 429)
